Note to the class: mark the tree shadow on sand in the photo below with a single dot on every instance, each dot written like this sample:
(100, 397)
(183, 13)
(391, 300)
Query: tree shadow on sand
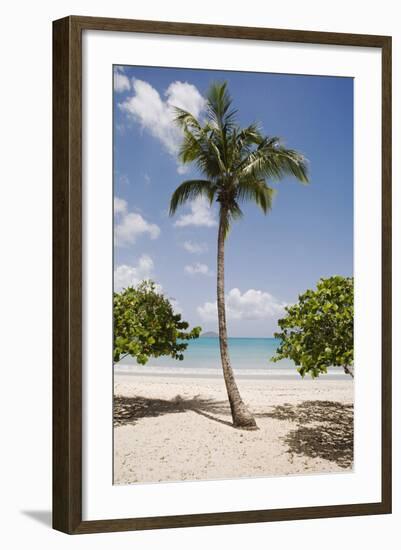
(325, 429)
(128, 410)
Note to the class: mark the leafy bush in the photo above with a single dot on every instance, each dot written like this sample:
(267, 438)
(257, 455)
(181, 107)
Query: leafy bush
(145, 325)
(318, 331)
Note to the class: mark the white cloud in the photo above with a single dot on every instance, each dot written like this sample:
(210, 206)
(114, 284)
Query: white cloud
(249, 306)
(185, 96)
(208, 312)
(120, 206)
(195, 248)
(156, 114)
(198, 269)
(132, 275)
(131, 225)
(201, 214)
(129, 275)
(121, 82)
(182, 169)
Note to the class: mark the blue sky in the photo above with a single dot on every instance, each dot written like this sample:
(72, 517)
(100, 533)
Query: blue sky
(269, 259)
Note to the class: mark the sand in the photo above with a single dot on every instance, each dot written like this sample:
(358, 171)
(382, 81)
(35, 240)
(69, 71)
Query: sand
(171, 429)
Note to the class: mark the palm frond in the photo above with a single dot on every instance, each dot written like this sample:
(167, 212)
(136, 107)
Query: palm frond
(235, 211)
(293, 163)
(190, 148)
(221, 116)
(218, 156)
(241, 144)
(250, 135)
(251, 189)
(190, 190)
(206, 150)
(184, 119)
(219, 103)
(228, 215)
(274, 161)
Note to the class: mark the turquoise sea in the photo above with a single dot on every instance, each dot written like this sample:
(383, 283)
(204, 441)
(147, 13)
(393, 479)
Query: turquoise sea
(245, 353)
(250, 357)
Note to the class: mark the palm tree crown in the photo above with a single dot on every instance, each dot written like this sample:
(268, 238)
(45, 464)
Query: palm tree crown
(236, 162)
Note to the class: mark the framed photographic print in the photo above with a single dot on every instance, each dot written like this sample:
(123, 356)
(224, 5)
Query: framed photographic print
(222, 275)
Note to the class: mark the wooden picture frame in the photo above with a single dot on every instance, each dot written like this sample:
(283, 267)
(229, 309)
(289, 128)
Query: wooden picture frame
(67, 274)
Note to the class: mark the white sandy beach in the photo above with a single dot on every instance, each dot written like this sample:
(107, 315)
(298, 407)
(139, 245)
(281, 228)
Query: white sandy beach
(175, 428)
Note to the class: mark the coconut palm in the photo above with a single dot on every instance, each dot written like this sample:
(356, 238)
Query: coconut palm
(235, 164)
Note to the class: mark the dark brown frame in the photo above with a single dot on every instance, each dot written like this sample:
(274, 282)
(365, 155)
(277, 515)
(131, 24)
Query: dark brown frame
(67, 278)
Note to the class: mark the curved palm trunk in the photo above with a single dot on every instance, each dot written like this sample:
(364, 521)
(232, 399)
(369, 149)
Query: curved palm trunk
(242, 418)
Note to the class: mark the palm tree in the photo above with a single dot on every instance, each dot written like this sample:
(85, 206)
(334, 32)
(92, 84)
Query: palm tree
(235, 164)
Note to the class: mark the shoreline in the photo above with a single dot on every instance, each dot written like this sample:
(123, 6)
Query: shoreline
(216, 373)
(171, 428)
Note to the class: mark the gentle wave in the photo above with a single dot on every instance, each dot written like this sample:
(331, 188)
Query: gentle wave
(252, 374)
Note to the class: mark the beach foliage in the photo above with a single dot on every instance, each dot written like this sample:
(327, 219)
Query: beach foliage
(146, 325)
(318, 331)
